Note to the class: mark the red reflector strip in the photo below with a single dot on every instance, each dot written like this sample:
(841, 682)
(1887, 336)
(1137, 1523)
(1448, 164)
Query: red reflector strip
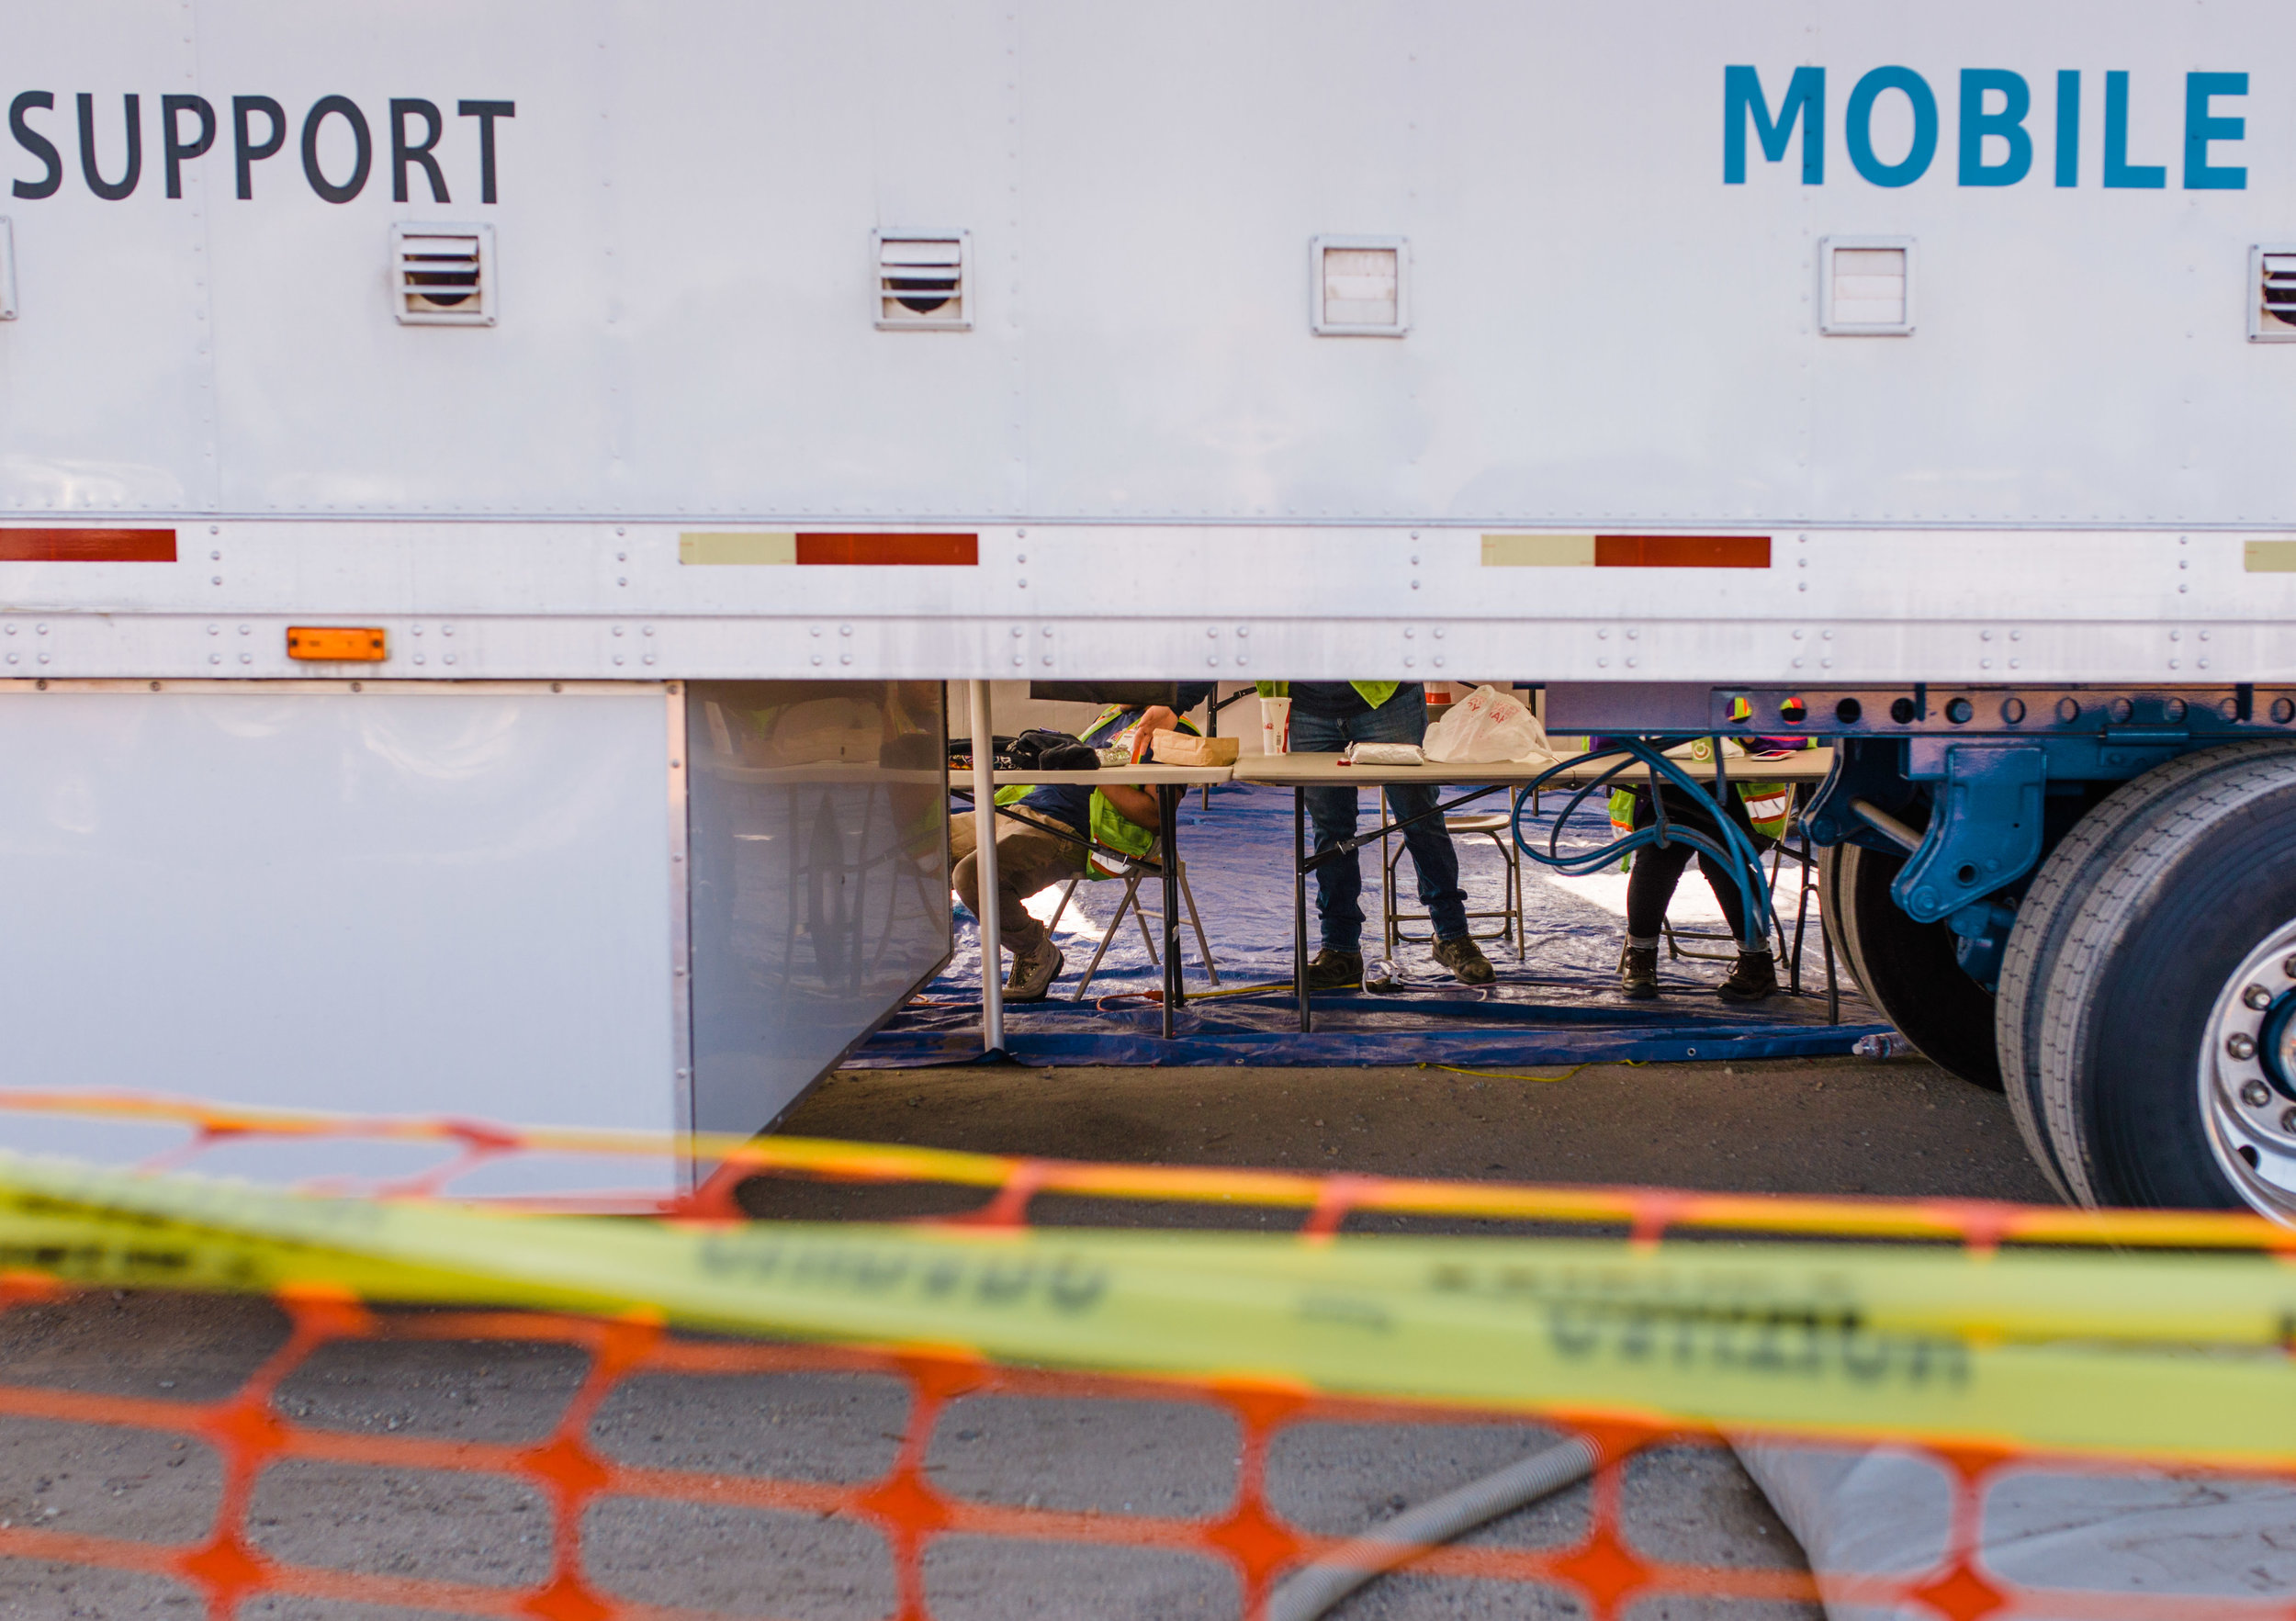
(1681, 551)
(879, 548)
(88, 545)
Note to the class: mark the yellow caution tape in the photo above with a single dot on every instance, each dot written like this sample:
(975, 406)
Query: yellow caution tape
(2143, 1356)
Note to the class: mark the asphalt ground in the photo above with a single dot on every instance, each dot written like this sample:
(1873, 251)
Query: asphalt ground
(1896, 1127)
(1801, 1126)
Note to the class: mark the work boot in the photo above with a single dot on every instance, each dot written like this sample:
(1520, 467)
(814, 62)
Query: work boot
(1335, 969)
(1638, 973)
(1753, 980)
(1465, 959)
(1033, 973)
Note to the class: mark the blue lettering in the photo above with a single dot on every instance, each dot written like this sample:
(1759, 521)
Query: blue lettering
(1858, 126)
(2119, 172)
(2201, 128)
(2068, 127)
(1743, 103)
(2007, 124)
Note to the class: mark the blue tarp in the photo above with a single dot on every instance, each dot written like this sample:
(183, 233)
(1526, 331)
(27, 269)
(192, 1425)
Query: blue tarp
(1557, 1005)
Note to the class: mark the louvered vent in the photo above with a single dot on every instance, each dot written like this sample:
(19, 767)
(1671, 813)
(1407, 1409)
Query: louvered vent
(443, 275)
(925, 281)
(2272, 318)
(1866, 285)
(1358, 287)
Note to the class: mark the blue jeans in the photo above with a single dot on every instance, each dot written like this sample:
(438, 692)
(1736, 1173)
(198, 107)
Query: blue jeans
(1339, 884)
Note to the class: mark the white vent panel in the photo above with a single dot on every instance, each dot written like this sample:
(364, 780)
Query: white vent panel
(443, 275)
(924, 281)
(1358, 285)
(2272, 293)
(1866, 285)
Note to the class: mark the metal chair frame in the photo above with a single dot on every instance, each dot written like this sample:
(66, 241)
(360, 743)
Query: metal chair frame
(1134, 874)
(1806, 864)
(1498, 826)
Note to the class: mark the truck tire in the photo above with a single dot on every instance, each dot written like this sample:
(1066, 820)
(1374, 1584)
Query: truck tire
(2161, 1082)
(1906, 969)
(2065, 874)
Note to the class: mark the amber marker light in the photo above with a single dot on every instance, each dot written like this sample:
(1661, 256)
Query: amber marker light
(333, 644)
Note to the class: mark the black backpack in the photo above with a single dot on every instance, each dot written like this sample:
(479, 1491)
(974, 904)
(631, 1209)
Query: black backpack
(1037, 749)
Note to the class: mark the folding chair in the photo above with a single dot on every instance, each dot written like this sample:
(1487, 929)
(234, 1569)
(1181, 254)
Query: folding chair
(1497, 825)
(1790, 954)
(1134, 874)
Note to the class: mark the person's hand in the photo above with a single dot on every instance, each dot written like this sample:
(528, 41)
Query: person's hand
(1153, 719)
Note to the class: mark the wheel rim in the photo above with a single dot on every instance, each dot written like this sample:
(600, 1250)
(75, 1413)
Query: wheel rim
(2249, 1078)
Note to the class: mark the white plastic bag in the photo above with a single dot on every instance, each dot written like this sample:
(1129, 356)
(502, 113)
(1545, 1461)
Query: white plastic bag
(1485, 726)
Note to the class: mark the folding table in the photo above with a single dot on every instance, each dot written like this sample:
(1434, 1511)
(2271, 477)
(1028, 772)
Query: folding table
(1301, 773)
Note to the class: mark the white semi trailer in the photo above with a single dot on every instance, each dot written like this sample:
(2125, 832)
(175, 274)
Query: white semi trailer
(491, 492)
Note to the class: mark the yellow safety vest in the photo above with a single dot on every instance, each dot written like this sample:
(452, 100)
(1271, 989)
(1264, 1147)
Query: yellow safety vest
(1372, 692)
(1110, 828)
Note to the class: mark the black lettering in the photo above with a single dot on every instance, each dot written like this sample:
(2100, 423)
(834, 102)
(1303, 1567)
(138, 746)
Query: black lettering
(942, 1276)
(341, 107)
(1687, 1338)
(1571, 1339)
(39, 145)
(485, 112)
(402, 155)
(725, 1255)
(815, 1265)
(1864, 1356)
(1765, 1353)
(248, 153)
(999, 1283)
(171, 135)
(1077, 1288)
(1812, 1360)
(1952, 1356)
(111, 191)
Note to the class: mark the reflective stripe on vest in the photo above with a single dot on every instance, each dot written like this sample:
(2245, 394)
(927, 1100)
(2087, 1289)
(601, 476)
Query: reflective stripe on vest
(1622, 822)
(1767, 806)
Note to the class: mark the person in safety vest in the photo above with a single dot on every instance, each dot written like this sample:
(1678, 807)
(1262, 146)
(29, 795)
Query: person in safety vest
(1326, 718)
(1033, 853)
(1760, 811)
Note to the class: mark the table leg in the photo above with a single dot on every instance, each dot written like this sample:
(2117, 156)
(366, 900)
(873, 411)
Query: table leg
(1801, 915)
(984, 869)
(1169, 799)
(1299, 904)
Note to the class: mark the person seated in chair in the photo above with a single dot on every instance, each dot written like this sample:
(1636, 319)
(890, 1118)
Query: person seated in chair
(1038, 846)
(1326, 718)
(1760, 811)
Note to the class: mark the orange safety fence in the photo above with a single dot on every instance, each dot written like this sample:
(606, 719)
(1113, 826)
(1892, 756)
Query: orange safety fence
(1602, 1562)
(1009, 1184)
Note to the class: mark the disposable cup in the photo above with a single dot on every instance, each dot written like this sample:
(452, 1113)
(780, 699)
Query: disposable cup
(1275, 726)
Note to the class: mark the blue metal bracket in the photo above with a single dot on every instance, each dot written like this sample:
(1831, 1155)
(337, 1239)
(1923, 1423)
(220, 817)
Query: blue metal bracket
(1872, 768)
(1980, 938)
(1984, 824)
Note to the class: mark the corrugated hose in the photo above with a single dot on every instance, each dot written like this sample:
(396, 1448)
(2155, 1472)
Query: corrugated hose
(1315, 1589)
